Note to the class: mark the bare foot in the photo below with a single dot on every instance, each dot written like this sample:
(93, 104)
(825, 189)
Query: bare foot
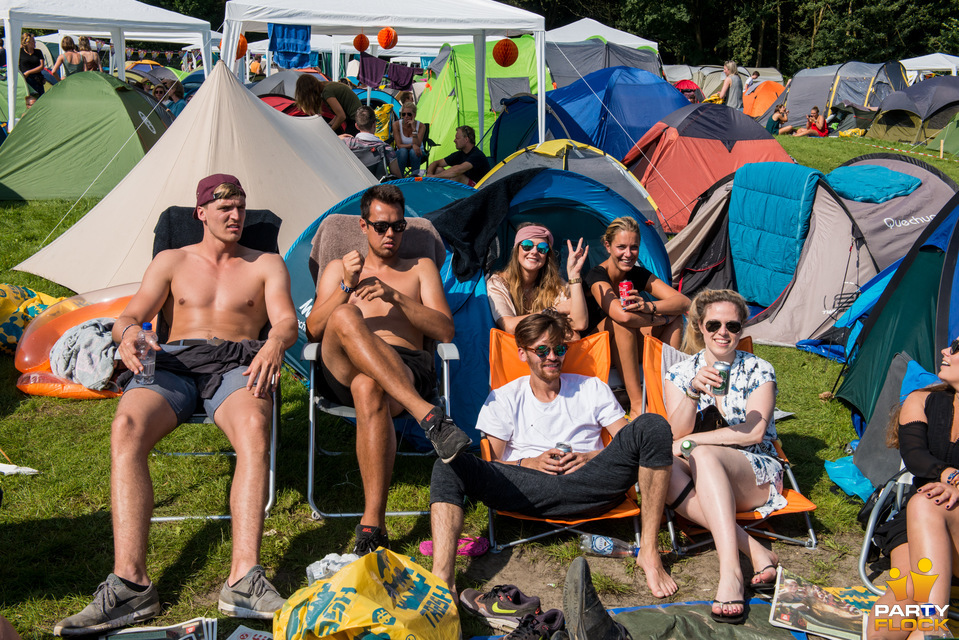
(660, 582)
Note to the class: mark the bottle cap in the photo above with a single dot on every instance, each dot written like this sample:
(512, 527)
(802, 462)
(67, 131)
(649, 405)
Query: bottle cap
(147, 326)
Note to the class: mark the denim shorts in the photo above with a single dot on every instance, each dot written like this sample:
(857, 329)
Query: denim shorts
(181, 392)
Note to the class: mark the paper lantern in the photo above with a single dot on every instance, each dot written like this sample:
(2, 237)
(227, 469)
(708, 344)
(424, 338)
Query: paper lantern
(505, 52)
(361, 43)
(387, 37)
(240, 47)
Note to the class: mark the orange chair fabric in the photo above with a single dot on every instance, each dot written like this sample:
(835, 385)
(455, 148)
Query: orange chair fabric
(589, 356)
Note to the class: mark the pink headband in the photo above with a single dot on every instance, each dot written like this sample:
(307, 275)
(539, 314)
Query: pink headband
(533, 231)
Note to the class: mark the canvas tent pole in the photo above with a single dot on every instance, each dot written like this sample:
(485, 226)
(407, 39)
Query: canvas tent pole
(269, 63)
(12, 30)
(335, 62)
(206, 43)
(120, 45)
(539, 40)
(479, 50)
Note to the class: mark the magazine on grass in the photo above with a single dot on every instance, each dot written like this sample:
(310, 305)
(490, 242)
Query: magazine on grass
(801, 606)
(195, 629)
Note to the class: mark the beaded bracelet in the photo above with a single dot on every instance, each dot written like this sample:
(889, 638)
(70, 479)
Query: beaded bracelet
(691, 395)
(953, 478)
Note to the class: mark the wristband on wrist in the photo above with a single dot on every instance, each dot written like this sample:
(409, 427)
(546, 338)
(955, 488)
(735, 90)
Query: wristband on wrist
(953, 477)
(123, 333)
(519, 463)
(347, 289)
(575, 280)
(691, 395)
(654, 307)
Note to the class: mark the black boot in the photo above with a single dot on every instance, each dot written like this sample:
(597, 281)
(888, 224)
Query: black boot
(586, 617)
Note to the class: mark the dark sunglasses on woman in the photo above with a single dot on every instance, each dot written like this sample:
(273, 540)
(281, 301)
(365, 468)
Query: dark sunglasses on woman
(528, 245)
(733, 326)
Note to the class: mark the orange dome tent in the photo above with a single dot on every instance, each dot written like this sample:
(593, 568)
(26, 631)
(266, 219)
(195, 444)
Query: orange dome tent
(760, 97)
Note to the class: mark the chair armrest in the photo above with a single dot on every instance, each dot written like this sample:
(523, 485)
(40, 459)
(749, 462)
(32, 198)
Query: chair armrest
(311, 351)
(447, 351)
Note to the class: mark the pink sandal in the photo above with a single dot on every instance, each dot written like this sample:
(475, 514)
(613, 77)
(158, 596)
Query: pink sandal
(468, 546)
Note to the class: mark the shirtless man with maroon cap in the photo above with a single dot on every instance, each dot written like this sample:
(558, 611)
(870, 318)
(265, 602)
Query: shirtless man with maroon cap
(217, 296)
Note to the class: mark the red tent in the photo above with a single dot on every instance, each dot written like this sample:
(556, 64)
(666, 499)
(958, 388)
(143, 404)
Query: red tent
(688, 151)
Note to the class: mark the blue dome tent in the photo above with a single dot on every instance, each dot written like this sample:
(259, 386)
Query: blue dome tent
(515, 128)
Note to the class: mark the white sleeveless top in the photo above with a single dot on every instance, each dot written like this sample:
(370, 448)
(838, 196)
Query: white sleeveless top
(409, 140)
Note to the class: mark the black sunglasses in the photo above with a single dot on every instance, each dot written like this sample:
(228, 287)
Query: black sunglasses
(381, 226)
(733, 326)
(954, 347)
(527, 245)
(406, 113)
(543, 351)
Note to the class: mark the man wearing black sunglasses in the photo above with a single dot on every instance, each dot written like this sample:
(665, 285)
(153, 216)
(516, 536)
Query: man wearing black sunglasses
(524, 420)
(373, 315)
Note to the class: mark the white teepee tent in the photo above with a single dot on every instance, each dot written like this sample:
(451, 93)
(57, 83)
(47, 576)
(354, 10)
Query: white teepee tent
(296, 167)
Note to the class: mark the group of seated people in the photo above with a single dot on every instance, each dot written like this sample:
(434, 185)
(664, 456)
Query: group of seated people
(713, 455)
(816, 126)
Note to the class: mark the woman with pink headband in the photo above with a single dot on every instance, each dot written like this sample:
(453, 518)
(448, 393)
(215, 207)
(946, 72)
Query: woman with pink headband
(629, 318)
(531, 283)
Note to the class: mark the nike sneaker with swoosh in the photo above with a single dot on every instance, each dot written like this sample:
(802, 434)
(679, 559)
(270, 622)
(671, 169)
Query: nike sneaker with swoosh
(502, 606)
(114, 605)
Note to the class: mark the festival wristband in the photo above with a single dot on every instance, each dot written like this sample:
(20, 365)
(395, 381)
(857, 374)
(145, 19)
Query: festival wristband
(347, 289)
(125, 329)
(691, 395)
(952, 478)
(576, 281)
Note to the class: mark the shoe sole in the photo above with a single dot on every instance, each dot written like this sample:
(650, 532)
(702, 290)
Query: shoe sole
(132, 618)
(456, 453)
(242, 612)
(576, 584)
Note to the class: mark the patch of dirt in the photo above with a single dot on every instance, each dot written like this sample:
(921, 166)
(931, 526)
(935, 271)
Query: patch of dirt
(832, 563)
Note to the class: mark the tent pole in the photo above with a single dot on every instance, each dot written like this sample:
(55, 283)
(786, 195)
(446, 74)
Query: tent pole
(539, 40)
(269, 63)
(479, 49)
(121, 53)
(12, 31)
(335, 62)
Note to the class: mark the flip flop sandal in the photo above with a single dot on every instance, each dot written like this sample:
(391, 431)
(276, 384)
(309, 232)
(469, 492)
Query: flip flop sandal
(732, 619)
(764, 586)
(467, 546)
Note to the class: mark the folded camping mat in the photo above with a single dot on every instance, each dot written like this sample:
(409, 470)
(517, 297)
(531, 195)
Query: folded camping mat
(691, 620)
(871, 183)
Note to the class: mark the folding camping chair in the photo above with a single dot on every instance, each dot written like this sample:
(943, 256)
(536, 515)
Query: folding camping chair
(657, 358)
(336, 236)
(176, 227)
(589, 356)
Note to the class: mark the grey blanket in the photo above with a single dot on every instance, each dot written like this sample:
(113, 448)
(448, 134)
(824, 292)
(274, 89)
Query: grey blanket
(84, 354)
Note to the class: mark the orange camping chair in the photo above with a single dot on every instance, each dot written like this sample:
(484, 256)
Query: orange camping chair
(589, 356)
(657, 358)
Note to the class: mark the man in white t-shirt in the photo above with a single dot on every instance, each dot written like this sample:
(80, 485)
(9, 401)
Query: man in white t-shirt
(523, 421)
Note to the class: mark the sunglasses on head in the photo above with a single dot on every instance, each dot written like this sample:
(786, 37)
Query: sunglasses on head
(543, 351)
(528, 245)
(381, 226)
(733, 326)
(954, 347)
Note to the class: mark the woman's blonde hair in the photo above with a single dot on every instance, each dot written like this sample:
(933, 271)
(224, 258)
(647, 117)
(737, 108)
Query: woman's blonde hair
(84, 43)
(547, 286)
(309, 95)
(624, 223)
(731, 66)
(409, 105)
(693, 338)
(67, 44)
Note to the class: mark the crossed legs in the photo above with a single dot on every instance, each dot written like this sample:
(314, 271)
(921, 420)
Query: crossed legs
(143, 418)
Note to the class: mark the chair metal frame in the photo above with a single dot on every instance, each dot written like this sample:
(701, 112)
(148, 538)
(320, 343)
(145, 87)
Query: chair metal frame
(751, 521)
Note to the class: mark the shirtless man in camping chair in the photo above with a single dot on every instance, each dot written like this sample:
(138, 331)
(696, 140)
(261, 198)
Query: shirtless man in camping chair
(217, 296)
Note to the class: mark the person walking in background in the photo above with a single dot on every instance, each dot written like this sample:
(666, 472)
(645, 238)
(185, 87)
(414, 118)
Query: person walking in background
(70, 59)
(31, 63)
(91, 61)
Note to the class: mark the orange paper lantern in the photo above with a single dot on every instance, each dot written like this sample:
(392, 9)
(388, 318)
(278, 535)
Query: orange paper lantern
(240, 47)
(361, 43)
(387, 37)
(505, 52)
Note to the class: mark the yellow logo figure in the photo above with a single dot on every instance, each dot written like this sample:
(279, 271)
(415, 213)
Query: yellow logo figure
(922, 616)
(921, 583)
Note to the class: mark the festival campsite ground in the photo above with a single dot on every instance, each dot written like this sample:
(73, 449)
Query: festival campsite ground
(55, 532)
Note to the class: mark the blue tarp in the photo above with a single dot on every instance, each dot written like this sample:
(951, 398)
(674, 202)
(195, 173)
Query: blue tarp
(871, 183)
(618, 105)
(769, 210)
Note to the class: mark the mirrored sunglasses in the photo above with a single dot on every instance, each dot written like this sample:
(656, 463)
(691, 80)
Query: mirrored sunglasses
(543, 351)
(528, 245)
(381, 226)
(954, 347)
(733, 326)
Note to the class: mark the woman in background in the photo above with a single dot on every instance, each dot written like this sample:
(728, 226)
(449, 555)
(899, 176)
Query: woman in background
(70, 59)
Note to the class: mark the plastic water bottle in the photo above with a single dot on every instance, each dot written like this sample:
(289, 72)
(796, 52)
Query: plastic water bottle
(686, 448)
(147, 356)
(607, 546)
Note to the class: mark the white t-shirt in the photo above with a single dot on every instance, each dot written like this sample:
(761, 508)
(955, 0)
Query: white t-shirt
(577, 415)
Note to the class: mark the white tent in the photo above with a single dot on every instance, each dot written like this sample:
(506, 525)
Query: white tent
(296, 167)
(478, 18)
(931, 62)
(588, 28)
(192, 40)
(116, 16)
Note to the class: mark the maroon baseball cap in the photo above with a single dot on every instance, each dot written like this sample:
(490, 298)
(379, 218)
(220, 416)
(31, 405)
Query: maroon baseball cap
(206, 187)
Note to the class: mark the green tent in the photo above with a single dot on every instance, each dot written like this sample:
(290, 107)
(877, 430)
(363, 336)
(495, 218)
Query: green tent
(22, 87)
(949, 137)
(88, 131)
(450, 100)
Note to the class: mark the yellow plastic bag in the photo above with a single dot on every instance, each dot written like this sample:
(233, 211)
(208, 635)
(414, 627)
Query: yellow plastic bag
(381, 596)
(18, 306)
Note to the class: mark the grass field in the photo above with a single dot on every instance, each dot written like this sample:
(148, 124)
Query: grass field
(55, 532)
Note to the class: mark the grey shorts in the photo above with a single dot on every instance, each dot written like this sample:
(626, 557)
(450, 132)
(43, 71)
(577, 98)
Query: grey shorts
(181, 392)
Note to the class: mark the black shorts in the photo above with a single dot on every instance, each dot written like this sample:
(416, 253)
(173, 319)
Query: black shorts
(419, 362)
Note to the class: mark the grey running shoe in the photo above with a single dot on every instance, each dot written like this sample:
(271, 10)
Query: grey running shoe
(251, 597)
(114, 605)
(501, 607)
(448, 439)
(369, 539)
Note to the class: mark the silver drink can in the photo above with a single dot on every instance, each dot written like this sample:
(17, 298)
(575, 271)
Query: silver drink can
(723, 369)
(565, 448)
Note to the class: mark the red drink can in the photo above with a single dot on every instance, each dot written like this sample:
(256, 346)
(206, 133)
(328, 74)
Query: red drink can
(624, 288)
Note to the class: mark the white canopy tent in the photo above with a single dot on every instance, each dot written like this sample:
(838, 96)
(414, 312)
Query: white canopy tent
(115, 16)
(192, 40)
(478, 18)
(588, 28)
(931, 62)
